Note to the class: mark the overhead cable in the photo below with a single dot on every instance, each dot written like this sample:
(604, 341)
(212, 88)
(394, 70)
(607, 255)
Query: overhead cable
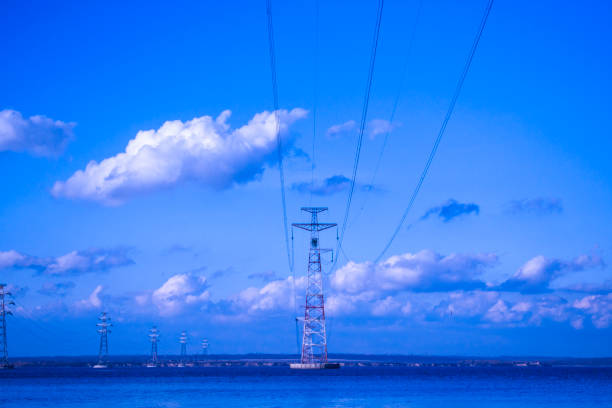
(370, 186)
(279, 144)
(447, 117)
(315, 98)
(364, 115)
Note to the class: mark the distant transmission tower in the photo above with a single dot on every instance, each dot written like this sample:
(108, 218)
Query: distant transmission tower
(205, 347)
(314, 339)
(183, 341)
(103, 329)
(154, 337)
(4, 303)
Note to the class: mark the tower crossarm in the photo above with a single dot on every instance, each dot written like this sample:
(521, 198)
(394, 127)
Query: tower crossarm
(314, 227)
(314, 210)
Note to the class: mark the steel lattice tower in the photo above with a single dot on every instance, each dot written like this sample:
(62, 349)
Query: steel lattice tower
(205, 347)
(183, 341)
(103, 329)
(314, 339)
(4, 303)
(154, 337)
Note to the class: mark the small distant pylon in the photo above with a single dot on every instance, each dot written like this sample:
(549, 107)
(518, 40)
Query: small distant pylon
(205, 347)
(104, 323)
(154, 337)
(183, 341)
(4, 304)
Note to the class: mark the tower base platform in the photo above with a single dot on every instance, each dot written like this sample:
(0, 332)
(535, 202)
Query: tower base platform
(314, 366)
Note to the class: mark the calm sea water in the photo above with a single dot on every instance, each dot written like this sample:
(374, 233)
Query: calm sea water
(282, 387)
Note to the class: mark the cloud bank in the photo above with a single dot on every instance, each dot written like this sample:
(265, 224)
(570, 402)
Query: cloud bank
(37, 135)
(75, 262)
(203, 149)
(423, 287)
(419, 288)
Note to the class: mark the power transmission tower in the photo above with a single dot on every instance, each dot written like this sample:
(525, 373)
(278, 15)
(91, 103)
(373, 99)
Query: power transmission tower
(4, 303)
(183, 341)
(314, 339)
(154, 337)
(103, 329)
(205, 347)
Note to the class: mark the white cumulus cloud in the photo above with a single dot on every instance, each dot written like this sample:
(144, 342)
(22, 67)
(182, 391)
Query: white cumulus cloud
(12, 258)
(93, 301)
(386, 307)
(537, 273)
(180, 291)
(274, 296)
(501, 312)
(599, 307)
(424, 271)
(203, 149)
(466, 304)
(341, 128)
(37, 135)
(378, 127)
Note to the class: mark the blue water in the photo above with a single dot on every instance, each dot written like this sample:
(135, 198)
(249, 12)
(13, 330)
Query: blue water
(282, 387)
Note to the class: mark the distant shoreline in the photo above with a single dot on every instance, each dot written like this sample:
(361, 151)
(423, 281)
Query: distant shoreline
(349, 360)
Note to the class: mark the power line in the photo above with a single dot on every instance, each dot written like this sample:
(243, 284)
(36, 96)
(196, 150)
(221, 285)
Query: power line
(364, 114)
(295, 312)
(313, 158)
(449, 112)
(279, 145)
(71, 336)
(316, 96)
(393, 110)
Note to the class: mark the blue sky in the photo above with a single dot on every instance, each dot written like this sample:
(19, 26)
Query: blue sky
(507, 248)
